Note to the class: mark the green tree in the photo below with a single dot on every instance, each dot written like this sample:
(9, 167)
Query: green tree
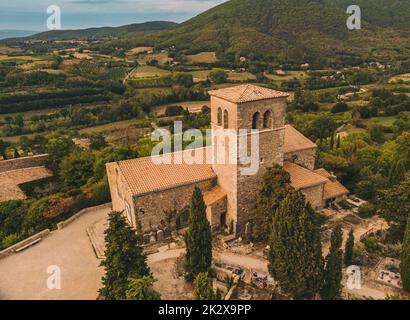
(397, 215)
(76, 169)
(295, 255)
(97, 141)
(273, 189)
(334, 263)
(203, 287)
(397, 172)
(218, 75)
(3, 148)
(198, 239)
(124, 258)
(57, 149)
(348, 257)
(405, 258)
(142, 289)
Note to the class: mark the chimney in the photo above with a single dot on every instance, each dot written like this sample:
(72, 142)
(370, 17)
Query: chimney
(332, 177)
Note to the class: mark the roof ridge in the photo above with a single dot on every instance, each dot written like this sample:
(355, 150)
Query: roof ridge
(244, 91)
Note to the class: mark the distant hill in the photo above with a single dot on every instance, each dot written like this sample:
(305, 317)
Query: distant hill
(4, 34)
(135, 30)
(298, 30)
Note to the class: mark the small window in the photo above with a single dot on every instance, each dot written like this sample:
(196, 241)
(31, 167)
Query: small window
(219, 117)
(255, 120)
(226, 120)
(267, 120)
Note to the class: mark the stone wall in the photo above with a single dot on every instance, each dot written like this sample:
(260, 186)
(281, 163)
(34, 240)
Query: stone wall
(215, 210)
(241, 190)
(24, 243)
(121, 195)
(314, 195)
(305, 158)
(25, 162)
(226, 172)
(151, 209)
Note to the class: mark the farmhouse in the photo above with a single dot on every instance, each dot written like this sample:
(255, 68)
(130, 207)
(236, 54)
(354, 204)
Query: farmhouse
(156, 198)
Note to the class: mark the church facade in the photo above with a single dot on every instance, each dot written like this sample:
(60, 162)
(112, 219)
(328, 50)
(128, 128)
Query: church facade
(156, 197)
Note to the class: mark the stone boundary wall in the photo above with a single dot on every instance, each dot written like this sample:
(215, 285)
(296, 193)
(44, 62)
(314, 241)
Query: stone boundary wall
(25, 162)
(10, 250)
(63, 224)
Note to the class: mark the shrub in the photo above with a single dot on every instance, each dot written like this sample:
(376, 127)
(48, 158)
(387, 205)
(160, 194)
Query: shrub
(371, 244)
(340, 107)
(173, 111)
(367, 210)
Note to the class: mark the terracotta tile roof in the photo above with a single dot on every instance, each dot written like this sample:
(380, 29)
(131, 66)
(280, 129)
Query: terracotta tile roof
(333, 188)
(144, 176)
(302, 178)
(214, 195)
(247, 93)
(295, 141)
(10, 181)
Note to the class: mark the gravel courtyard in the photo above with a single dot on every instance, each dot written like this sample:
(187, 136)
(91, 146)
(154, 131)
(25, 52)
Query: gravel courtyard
(24, 275)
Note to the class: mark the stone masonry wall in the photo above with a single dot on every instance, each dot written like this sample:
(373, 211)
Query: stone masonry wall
(271, 142)
(305, 158)
(314, 195)
(150, 210)
(120, 193)
(25, 162)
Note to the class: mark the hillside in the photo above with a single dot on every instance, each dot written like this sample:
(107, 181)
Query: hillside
(134, 30)
(4, 34)
(296, 30)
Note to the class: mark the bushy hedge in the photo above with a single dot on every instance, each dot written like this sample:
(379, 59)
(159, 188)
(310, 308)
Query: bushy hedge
(50, 103)
(7, 99)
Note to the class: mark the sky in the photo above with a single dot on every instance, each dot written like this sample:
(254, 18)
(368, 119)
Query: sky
(78, 14)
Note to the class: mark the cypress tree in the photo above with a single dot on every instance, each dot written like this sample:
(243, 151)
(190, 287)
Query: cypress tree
(272, 190)
(124, 258)
(198, 239)
(333, 270)
(348, 258)
(397, 172)
(203, 287)
(332, 139)
(295, 256)
(142, 289)
(405, 258)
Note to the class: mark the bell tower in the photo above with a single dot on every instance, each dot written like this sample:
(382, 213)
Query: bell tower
(236, 113)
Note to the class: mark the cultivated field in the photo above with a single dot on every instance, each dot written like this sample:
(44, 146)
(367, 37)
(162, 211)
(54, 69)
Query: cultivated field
(202, 57)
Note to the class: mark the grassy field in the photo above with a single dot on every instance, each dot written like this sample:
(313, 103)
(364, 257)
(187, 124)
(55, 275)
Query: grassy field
(112, 126)
(241, 76)
(400, 78)
(140, 49)
(18, 59)
(161, 57)
(200, 75)
(148, 71)
(202, 57)
(301, 75)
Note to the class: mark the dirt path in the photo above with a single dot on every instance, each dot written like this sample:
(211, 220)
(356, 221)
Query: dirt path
(247, 262)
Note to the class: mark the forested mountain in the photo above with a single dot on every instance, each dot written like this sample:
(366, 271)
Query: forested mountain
(311, 30)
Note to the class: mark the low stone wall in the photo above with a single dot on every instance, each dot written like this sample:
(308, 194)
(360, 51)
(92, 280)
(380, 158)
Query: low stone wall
(10, 250)
(63, 224)
(25, 162)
